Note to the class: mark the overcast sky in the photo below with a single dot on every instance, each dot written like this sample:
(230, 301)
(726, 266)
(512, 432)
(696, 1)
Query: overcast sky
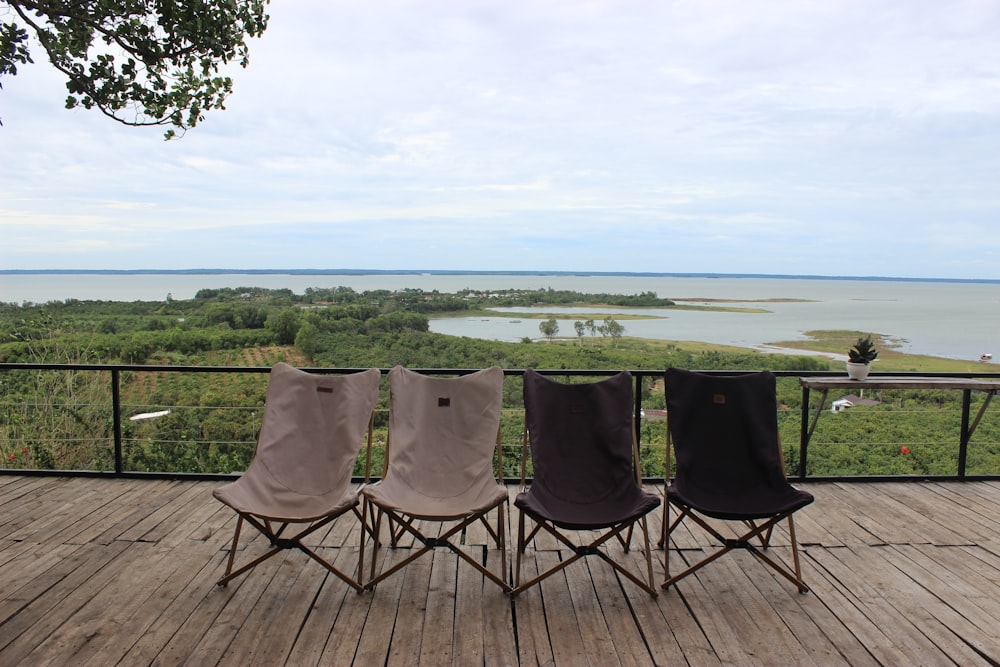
(826, 137)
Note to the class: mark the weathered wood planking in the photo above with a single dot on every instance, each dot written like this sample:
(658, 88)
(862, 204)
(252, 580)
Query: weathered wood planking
(98, 571)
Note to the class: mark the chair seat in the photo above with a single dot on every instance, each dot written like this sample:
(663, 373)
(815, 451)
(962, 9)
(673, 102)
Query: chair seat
(270, 501)
(755, 505)
(393, 493)
(630, 504)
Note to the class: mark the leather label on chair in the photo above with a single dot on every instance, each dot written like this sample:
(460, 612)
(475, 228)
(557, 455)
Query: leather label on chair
(325, 390)
(719, 399)
(444, 401)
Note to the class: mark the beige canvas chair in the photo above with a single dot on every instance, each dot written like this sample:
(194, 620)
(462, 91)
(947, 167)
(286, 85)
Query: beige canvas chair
(443, 433)
(730, 468)
(300, 476)
(587, 485)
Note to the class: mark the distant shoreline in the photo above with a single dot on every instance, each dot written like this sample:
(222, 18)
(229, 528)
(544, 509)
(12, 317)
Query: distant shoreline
(445, 272)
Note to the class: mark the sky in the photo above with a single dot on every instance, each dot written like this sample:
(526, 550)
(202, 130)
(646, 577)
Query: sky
(815, 137)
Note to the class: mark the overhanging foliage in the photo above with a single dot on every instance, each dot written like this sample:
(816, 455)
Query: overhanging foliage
(140, 62)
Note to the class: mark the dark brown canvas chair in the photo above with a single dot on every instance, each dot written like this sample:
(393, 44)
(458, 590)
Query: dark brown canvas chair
(443, 434)
(586, 475)
(300, 476)
(724, 433)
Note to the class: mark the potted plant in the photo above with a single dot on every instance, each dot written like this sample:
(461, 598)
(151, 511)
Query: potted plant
(860, 356)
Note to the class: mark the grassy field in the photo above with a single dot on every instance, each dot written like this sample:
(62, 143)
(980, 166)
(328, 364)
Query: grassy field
(889, 359)
(825, 343)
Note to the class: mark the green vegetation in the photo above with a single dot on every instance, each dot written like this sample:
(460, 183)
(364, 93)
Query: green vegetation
(207, 421)
(163, 68)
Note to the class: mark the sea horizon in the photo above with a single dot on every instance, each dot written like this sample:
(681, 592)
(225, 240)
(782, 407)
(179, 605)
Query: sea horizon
(470, 272)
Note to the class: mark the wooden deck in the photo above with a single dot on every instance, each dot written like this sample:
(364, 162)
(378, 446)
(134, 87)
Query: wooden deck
(111, 572)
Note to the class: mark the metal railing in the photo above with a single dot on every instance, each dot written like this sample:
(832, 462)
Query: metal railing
(83, 400)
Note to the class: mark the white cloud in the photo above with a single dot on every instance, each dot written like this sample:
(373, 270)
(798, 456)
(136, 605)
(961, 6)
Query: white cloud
(600, 135)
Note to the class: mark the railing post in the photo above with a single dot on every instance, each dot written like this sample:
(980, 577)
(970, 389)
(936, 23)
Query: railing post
(804, 434)
(637, 411)
(116, 416)
(963, 443)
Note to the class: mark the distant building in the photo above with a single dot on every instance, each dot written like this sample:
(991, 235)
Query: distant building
(850, 401)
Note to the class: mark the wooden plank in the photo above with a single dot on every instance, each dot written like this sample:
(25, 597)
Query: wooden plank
(809, 620)
(21, 492)
(944, 521)
(87, 571)
(118, 500)
(147, 496)
(565, 633)
(41, 593)
(865, 514)
(958, 605)
(215, 525)
(191, 510)
(922, 610)
(9, 550)
(155, 602)
(721, 594)
(666, 621)
(534, 646)
(346, 614)
(836, 595)
(379, 630)
(810, 530)
(899, 521)
(92, 625)
(968, 501)
(749, 579)
(190, 597)
(499, 641)
(332, 616)
(209, 633)
(713, 620)
(597, 641)
(610, 596)
(104, 629)
(411, 610)
(437, 634)
(671, 634)
(971, 576)
(859, 573)
(269, 631)
(900, 382)
(151, 526)
(147, 594)
(472, 591)
(62, 509)
(826, 512)
(881, 517)
(25, 564)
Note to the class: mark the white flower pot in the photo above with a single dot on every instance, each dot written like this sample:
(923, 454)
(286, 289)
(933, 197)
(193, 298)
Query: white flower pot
(857, 371)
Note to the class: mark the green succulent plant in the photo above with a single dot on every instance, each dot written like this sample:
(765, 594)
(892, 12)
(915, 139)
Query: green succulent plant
(863, 352)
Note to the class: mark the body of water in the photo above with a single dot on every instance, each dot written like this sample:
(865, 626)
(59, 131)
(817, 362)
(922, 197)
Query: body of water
(959, 320)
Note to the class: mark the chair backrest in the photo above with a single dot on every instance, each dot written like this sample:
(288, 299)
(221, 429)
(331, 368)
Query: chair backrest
(443, 431)
(582, 437)
(724, 431)
(313, 427)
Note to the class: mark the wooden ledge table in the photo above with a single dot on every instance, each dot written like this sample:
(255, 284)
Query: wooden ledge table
(825, 384)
